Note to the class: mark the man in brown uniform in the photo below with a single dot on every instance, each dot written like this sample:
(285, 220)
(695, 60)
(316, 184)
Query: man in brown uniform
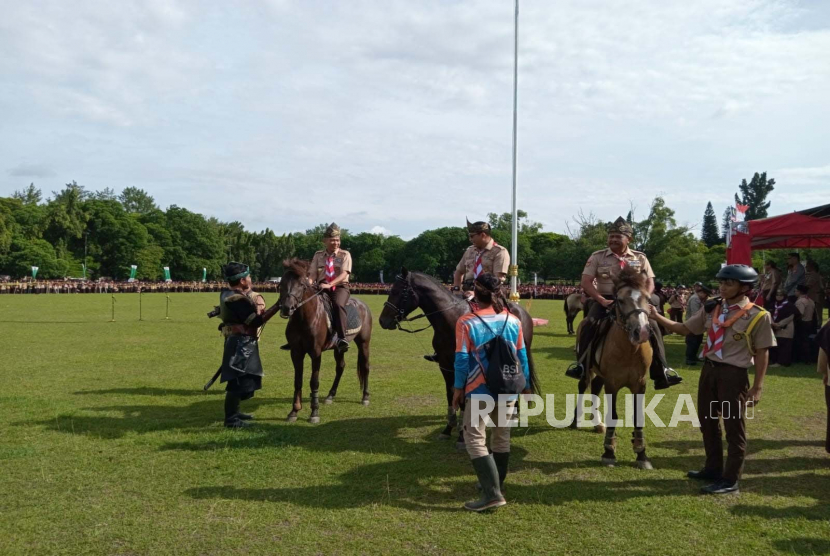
(738, 330)
(602, 267)
(770, 284)
(483, 256)
(805, 324)
(330, 269)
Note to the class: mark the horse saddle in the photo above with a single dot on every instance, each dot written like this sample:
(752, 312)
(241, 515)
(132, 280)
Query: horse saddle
(353, 321)
(601, 328)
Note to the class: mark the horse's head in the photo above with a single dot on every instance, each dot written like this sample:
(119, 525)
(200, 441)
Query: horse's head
(402, 300)
(631, 310)
(293, 285)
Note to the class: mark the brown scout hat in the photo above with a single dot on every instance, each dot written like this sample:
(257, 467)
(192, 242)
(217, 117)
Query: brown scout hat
(621, 226)
(332, 231)
(477, 227)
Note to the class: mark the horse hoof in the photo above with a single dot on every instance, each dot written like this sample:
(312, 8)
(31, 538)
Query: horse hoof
(365, 402)
(291, 419)
(460, 446)
(314, 420)
(609, 462)
(644, 464)
(329, 400)
(599, 428)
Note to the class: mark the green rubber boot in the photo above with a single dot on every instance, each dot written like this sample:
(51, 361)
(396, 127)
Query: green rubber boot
(488, 477)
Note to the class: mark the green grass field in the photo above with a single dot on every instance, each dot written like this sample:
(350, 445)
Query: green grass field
(110, 446)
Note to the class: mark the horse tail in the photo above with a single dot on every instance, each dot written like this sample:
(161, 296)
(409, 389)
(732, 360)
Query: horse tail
(535, 384)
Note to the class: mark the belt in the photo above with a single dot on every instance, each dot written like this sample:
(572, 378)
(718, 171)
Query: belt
(238, 330)
(717, 364)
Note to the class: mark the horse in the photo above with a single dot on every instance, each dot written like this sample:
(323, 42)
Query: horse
(309, 333)
(573, 305)
(623, 362)
(416, 290)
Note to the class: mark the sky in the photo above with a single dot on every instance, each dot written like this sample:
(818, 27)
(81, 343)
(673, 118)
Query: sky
(395, 116)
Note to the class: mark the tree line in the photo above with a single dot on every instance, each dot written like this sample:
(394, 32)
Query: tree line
(102, 234)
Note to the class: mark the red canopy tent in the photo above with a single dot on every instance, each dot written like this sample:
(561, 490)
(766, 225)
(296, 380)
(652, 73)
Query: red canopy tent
(806, 229)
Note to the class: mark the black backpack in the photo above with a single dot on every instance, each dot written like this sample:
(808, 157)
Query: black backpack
(503, 374)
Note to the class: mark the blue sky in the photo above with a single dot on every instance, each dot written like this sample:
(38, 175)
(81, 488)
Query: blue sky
(396, 115)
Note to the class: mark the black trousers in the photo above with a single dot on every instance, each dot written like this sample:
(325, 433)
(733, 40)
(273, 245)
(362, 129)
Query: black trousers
(782, 354)
(827, 401)
(597, 312)
(693, 343)
(339, 297)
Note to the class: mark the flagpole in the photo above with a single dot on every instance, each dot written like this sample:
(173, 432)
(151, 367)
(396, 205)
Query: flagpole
(514, 226)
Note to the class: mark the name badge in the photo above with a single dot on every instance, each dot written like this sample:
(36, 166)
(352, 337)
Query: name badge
(634, 263)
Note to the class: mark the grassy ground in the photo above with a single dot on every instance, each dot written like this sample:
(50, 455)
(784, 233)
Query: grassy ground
(109, 446)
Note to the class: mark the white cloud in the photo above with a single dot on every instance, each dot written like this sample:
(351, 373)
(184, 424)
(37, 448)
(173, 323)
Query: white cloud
(398, 115)
(380, 230)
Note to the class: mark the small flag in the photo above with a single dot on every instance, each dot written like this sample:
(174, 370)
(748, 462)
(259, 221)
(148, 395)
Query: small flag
(167, 274)
(204, 274)
(34, 272)
(133, 268)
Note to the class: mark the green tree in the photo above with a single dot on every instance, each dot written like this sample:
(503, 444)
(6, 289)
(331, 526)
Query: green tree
(754, 195)
(24, 254)
(29, 196)
(710, 234)
(194, 244)
(137, 201)
(726, 223)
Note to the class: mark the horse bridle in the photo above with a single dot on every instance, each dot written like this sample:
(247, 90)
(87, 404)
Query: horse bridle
(622, 319)
(299, 300)
(401, 312)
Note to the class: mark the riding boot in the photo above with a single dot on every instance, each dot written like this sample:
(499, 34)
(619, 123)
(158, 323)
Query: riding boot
(231, 411)
(660, 372)
(432, 358)
(488, 477)
(501, 459)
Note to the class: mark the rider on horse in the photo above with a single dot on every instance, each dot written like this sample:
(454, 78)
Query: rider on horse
(603, 266)
(483, 256)
(330, 269)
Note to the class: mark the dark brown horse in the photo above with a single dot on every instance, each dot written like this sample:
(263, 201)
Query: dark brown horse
(623, 362)
(309, 333)
(415, 290)
(573, 305)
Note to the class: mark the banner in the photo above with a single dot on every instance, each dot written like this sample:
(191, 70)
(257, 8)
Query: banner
(167, 274)
(204, 275)
(381, 277)
(133, 268)
(34, 272)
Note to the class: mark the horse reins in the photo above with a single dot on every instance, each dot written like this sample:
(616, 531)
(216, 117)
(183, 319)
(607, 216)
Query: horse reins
(401, 313)
(624, 317)
(292, 310)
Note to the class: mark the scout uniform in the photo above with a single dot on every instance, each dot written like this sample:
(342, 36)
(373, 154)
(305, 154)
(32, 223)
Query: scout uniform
(770, 285)
(325, 267)
(603, 266)
(804, 326)
(736, 332)
(493, 259)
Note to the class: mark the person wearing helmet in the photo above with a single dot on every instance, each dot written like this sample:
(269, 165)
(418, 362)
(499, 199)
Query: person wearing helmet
(740, 334)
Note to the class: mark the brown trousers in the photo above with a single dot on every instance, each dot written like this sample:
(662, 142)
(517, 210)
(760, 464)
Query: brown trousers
(722, 393)
(339, 297)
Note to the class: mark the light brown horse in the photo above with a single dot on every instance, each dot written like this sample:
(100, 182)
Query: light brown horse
(308, 333)
(624, 360)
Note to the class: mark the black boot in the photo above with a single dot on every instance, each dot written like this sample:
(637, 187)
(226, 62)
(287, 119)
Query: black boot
(705, 475)
(232, 421)
(432, 358)
(342, 346)
(575, 371)
(488, 476)
(670, 378)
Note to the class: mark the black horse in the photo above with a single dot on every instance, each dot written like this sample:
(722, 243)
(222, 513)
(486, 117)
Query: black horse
(415, 290)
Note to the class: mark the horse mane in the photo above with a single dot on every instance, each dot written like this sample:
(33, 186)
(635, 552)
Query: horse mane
(630, 277)
(296, 266)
